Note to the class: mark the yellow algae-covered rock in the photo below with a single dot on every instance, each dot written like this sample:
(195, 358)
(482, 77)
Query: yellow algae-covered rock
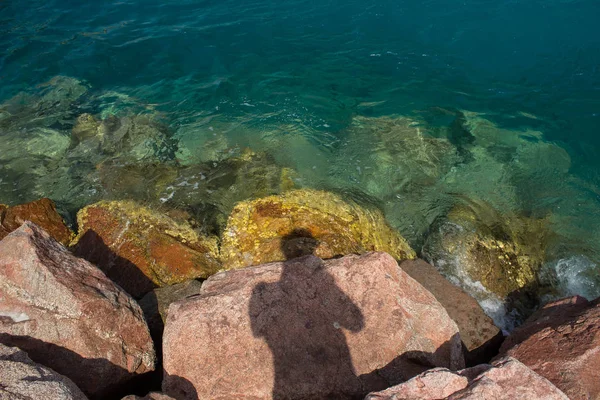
(256, 229)
(476, 244)
(141, 249)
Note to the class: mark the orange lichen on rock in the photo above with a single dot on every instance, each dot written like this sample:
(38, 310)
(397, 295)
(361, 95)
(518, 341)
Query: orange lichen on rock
(41, 212)
(256, 227)
(141, 249)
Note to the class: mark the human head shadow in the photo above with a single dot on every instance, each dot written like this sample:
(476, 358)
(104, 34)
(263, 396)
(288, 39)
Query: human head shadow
(302, 317)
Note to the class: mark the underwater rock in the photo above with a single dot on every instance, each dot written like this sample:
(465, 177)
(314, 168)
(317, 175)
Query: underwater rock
(41, 212)
(132, 137)
(505, 379)
(49, 104)
(66, 314)
(141, 249)
(561, 342)
(140, 137)
(403, 154)
(481, 338)
(21, 378)
(480, 248)
(306, 329)
(199, 145)
(210, 190)
(145, 182)
(32, 146)
(256, 229)
(86, 126)
(398, 161)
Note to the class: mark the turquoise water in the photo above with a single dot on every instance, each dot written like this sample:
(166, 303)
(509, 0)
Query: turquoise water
(411, 106)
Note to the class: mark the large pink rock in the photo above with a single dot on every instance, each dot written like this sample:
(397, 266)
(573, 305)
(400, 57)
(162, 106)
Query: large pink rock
(21, 378)
(306, 329)
(505, 379)
(66, 314)
(480, 337)
(561, 342)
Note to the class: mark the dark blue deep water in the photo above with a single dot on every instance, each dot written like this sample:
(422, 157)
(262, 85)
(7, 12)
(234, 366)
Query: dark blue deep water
(313, 84)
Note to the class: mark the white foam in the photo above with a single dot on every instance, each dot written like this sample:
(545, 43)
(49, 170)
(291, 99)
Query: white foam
(575, 275)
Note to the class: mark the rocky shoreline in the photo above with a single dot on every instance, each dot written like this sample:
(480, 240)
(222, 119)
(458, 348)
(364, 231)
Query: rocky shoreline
(304, 295)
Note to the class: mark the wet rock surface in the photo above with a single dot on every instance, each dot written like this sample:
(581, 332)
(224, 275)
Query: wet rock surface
(256, 228)
(493, 249)
(41, 212)
(480, 337)
(306, 328)
(21, 378)
(492, 257)
(561, 342)
(505, 379)
(66, 314)
(142, 249)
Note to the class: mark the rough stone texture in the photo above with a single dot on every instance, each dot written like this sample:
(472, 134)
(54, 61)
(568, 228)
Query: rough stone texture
(480, 337)
(141, 249)
(505, 379)
(21, 378)
(495, 249)
(41, 212)
(256, 228)
(156, 303)
(149, 396)
(306, 329)
(561, 342)
(66, 314)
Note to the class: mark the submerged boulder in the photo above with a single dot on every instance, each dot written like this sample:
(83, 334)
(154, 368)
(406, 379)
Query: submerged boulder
(21, 378)
(486, 252)
(256, 229)
(505, 379)
(400, 161)
(41, 212)
(48, 104)
(219, 185)
(147, 182)
(66, 314)
(135, 137)
(306, 329)
(141, 249)
(561, 342)
(481, 338)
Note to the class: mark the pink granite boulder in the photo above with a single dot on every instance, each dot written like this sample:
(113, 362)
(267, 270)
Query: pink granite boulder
(21, 378)
(66, 314)
(505, 379)
(481, 338)
(561, 342)
(306, 329)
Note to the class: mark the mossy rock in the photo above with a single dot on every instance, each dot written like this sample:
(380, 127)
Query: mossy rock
(141, 249)
(258, 231)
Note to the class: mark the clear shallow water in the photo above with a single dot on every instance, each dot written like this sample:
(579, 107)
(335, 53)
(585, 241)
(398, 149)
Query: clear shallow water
(371, 100)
